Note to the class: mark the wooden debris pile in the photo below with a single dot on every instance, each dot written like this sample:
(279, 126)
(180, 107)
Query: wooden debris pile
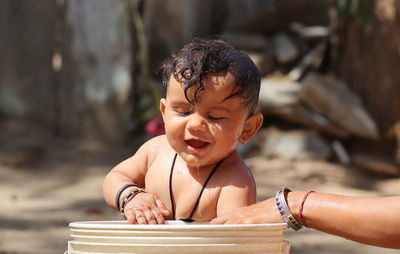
(321, 115)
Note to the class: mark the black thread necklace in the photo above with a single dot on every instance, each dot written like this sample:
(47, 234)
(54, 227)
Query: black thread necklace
(189, 219)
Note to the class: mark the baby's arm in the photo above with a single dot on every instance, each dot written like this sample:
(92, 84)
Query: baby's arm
(240, 191)
(142, 207)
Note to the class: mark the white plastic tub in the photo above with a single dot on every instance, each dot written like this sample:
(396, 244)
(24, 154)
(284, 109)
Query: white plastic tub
(104, 237)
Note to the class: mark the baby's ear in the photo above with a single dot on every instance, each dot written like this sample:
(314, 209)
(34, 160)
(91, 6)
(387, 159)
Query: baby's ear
(251, 126)
(162, 106)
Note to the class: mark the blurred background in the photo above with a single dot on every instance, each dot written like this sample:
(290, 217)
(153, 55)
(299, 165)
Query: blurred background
(79, 92)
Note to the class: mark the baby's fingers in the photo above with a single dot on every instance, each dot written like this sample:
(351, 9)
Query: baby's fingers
(150, 217)
(162, 208)
(140, 217)
(158, 216)
(131, 217)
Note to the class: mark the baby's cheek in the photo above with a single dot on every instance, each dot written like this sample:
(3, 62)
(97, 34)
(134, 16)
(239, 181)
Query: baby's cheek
(172, 140)
(229, 140)
(234, 146)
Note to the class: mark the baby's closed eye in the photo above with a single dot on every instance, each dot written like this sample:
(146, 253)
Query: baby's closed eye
(216, 117)
(182, 112)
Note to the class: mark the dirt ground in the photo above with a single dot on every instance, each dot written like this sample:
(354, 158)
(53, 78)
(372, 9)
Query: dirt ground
(44, 185)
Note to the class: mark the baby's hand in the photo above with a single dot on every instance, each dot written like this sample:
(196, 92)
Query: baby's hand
(145, 208)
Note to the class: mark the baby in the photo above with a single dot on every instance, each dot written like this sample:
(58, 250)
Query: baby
(194, 172)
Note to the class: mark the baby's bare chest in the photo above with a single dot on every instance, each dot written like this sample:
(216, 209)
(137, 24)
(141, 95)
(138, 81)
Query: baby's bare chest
(187, 190)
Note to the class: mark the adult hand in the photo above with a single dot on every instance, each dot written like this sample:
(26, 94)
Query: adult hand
(262, 212)
(145, 208)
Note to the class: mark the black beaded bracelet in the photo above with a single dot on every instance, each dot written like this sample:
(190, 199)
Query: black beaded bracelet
(119, 192)
(128, 196)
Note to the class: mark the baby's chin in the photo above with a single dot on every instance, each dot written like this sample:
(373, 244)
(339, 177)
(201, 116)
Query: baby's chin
(196, 163)
(193, 161)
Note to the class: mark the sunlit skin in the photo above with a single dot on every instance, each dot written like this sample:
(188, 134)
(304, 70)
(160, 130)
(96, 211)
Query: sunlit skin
(202, 134)
(369, 220)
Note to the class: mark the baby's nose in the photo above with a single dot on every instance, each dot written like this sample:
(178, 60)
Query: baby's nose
(196, 123)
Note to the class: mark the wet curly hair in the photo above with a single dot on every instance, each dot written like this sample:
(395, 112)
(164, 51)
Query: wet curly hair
(200, 57)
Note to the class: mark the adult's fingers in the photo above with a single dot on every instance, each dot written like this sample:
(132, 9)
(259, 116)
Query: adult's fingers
(220, 219)
(237, 216)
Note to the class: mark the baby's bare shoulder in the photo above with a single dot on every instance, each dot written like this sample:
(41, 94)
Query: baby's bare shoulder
(236, 180)
(158, 140)
(234, 170)
(157, 148)
(155, 145)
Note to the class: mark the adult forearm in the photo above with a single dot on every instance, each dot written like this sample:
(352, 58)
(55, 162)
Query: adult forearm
(372, 221)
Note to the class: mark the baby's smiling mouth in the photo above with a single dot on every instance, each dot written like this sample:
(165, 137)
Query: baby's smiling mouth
(196, 143)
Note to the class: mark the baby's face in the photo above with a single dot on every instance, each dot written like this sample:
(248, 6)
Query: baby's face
(206, 131)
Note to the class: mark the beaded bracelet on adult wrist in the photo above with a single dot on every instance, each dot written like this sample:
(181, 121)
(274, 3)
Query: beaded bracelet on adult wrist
(284, 211)
(119, 192)
(128, 196)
